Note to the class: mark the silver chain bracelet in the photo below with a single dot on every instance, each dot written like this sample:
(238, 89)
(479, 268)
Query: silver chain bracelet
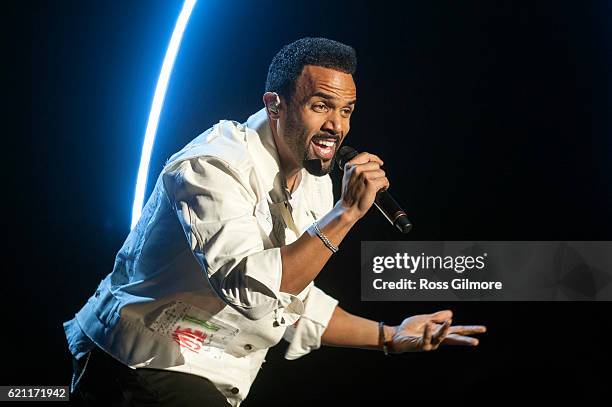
(324, 238)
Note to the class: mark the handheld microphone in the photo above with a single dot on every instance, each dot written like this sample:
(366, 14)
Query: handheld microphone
(384, 202)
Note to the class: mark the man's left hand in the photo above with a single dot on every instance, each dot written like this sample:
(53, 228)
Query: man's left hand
(427, 332)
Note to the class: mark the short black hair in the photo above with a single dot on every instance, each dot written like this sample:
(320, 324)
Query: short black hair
(288, 63)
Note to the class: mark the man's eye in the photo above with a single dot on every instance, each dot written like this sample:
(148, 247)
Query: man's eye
(347, 112)
(319, 107)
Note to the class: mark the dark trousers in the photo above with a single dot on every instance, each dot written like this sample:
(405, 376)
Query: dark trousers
(101, 380)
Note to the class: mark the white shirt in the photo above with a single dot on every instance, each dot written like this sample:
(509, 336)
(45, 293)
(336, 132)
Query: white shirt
(196, 286)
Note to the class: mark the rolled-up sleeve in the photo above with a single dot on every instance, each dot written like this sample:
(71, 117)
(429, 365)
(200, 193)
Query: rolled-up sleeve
(305, 335)
(215, 205)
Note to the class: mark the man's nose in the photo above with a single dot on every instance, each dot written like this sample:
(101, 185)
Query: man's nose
(333, 124)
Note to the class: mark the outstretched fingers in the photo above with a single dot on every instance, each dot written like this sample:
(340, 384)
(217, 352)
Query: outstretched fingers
(468, 329)
(460, 340)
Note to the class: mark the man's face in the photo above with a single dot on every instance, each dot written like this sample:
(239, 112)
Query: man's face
(317, 119)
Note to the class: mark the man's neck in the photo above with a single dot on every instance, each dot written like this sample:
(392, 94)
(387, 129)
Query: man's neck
(293, 180)
(289, 169)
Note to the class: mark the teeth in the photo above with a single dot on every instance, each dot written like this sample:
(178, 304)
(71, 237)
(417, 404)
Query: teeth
(325, 143)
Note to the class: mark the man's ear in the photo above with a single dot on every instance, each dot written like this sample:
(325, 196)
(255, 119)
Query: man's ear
(273, 104)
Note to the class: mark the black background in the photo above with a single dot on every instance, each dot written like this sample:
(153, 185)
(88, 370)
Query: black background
(493, 118)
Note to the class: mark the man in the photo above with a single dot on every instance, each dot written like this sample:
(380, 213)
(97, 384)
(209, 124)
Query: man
(221, 265)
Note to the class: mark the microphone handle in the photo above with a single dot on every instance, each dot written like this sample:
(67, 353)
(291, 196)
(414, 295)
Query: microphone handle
(392, 211)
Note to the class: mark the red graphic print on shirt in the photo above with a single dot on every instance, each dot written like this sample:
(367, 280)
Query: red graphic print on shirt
(191, 339)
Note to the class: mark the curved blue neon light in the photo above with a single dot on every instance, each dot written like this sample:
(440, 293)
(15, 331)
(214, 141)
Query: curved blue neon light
(158, 101)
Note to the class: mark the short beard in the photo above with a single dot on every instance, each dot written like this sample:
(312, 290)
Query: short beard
(314, 166)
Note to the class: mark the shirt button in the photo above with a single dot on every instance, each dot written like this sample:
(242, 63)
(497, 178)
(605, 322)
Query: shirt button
(235, 390)
(248, 347)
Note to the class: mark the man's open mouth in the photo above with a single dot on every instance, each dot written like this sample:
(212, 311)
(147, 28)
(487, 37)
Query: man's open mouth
(324, 147)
